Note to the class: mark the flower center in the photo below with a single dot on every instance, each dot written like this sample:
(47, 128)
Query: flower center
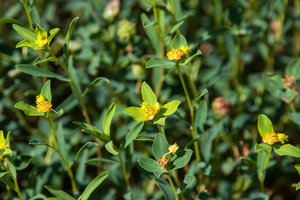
(148, 111)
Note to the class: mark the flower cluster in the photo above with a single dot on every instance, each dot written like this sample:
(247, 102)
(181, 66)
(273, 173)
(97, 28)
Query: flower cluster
(149, 111)
(271, 138)
(126, 30)
(176, 54)
(41, 37)
(289, 81)
(42, 104)
(164, 160)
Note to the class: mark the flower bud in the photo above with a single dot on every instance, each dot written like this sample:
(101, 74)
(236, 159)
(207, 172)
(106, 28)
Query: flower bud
(221, 106)
(111, 10)
(126, 30)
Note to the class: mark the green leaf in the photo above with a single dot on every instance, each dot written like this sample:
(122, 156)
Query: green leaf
(197, 101)
(154, 62)
(131, 135)
(188, 179)
(46, 91)
(28, 109)
(249, 161)
(94, 131)
(6, 179)
(61, 143)
(58, 193)
(36, 71)
(178, 42)
(264, 125)
(67, 41)
(93, 185)
(146, 24)
(180, 159)
(287, 150)
(150, 165)
(148, 95)
(97, 80)
(293, 69)
(160, 121)
(298, 168)
(295, 117)
(85, 147)
(108, 118)
(11, 21)
(160, 146)
(143, 138)
(189, 59)
(135, 112)
(40, 60)
(171, 107)
(202, 195)
(152, 34)
(100, 160)
(298, 186)
(52, 112)
(52, 32)
(110, 148)
(263, 147)
(35, 142)
(73, 74)
(165, 188)
(206, 168)
(25, 33)
(11, 165)
(158, 174)
(26, 43)
(22, 161)
(201, 116)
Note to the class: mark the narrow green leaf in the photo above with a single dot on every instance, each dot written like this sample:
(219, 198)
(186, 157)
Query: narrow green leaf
(40, 60)
(11, 165)
(197, 101)
(180, 159)
(249, 161)
(150, 165)
(6, 179)
(110, 148)
(298, 186)
(73, 74)
(46, 91)
(188, 180)
(298, 168)
(52, 112)
(97, 80)
(36, 71)
(160, 146)
(143, 138)
(178, 42)
(100, 160)
(165, 187)
(93, 185)
(58, 193)
(263, 147)
(201, 116)
(52, 32)
(146, 24)
(35, 142)
(11, 21)
(148, 95)
(61, 142)
(189, 59)
(108, 118)
(26, 43)
(67, 41)
(85, 147)
(25, 33)
(287, 150)
(264, 125)
(153, 62)
(131, 135)
(28, 109)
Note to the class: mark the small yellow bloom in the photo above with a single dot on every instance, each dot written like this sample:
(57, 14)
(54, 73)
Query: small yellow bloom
(282, 137)
(41, 39)
(149, 111)
(42, 104)
(270, 138)
(175, 54)
(186, 50)
(173, 148)
(2, 142)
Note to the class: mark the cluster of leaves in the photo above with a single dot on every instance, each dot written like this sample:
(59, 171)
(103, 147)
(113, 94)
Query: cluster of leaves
(247, 48)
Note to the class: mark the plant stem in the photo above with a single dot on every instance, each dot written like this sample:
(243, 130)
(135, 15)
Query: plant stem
(27, 14)
(161, 131)
(128, 186)
(196, 144)
(14, 179)
(174, 18)
(261, 180)
(68, 165)
(173, 186)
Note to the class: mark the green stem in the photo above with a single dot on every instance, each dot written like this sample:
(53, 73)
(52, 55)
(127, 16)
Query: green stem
(161, 131)
(14, 179)
(173, 186)
(128, 186)
(261, 179)
(68, 165)
(173, 13)
(27, 14)
(196, 144)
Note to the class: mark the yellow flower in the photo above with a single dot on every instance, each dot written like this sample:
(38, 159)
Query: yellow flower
(3, 144)
(42, 104)
(270, 138)
(173, 148)
(149, 111)
(41, 38)
(282, 137)
(186, 50)
(175, 54)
